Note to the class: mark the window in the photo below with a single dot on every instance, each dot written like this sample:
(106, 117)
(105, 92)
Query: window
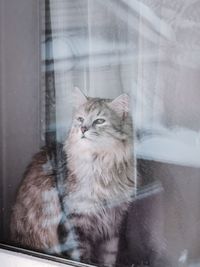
(148, 50)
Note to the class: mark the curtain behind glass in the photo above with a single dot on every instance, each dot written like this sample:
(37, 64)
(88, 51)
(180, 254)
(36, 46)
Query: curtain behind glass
(150, 50)
(89, 47)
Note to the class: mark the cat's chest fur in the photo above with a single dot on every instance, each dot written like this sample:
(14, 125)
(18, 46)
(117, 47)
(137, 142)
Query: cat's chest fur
(96, 187)
(97, 198)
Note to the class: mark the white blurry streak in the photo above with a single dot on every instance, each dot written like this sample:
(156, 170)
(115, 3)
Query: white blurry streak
(184, 256)
(175, 146)
(147, 32)
(101, 52)
(149, 190)
(159, 25)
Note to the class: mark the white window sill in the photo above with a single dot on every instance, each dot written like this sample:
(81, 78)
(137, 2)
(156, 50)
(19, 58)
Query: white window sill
(16, 259)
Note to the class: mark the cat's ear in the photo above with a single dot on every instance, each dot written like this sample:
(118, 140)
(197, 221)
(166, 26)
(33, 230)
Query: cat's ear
(78, 97)
(120, 105)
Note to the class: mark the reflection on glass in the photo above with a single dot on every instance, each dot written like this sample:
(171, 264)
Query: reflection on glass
(117, 179)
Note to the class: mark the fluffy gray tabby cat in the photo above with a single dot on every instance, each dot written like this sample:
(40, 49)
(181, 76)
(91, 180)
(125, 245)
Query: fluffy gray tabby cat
(97, 189)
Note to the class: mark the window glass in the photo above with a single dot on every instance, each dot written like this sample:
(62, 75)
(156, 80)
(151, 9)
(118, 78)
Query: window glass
(99, 139)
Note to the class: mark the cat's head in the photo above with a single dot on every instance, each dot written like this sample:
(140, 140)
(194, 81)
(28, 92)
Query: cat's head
(100, 123)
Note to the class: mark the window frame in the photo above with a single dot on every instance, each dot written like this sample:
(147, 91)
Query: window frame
(14, 256)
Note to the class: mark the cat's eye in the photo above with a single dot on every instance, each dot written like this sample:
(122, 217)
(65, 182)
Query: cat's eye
(99, 121)
(80, 119)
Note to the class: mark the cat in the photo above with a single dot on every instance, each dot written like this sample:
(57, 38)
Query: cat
(79, 213)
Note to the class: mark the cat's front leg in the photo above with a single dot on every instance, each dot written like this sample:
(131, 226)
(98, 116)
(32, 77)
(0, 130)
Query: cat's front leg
(74, 244)
(84, 245)
(108, 252)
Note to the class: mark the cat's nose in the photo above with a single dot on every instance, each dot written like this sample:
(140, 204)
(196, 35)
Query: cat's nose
(84, 129)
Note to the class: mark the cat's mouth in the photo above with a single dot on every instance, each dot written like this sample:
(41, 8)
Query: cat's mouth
(83, 137)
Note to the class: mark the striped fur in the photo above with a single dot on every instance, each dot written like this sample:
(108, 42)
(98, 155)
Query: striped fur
(83, 222)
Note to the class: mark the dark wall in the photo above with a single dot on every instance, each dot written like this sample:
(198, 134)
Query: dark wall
(164, 222)
(19, 91)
